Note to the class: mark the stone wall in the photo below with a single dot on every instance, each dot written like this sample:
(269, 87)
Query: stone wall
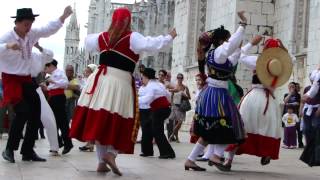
(260, 15)
(314, 37)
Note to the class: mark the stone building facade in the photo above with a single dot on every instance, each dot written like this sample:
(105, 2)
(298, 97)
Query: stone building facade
(295, 22)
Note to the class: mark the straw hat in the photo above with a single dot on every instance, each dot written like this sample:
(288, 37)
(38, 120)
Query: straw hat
(274, 67)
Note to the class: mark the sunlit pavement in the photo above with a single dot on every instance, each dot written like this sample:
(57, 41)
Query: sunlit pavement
(82, 165)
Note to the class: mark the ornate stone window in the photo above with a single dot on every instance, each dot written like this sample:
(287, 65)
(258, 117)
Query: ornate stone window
(302, 25)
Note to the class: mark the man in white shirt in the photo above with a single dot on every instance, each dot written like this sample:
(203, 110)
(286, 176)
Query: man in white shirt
(15, 64)
(58, 82)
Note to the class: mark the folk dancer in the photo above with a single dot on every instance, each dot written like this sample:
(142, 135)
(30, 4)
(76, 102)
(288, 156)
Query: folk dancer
(15, 54)
(107, 110)
(217, 120)
(58, 82)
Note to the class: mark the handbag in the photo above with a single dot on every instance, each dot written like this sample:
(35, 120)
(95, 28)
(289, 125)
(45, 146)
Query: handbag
(185, 105)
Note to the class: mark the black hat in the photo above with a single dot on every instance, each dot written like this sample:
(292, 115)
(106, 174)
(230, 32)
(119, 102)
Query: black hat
(53, 62)
(25, 13)
(149, 73)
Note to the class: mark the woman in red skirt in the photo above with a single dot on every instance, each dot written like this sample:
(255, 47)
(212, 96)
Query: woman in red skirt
(107, 108)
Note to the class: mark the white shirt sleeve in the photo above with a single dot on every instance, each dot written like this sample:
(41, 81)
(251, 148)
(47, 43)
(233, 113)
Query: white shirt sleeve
(60, 80)
(45, 31)
(249, 61)
(91, 43)
(148, 97)
(140, 44)
(222, 52)
(314, 87)
(235, 57)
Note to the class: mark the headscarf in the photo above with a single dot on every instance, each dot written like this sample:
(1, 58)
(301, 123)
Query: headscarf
(121, 24)
(271, 43)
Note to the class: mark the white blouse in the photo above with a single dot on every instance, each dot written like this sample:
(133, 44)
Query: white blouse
(60, 80)
(138, 43)
(230, 49)
(152, 91)
(141, 93)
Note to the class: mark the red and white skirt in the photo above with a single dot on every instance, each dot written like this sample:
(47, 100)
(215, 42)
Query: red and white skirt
(109, 114)
(262, 125)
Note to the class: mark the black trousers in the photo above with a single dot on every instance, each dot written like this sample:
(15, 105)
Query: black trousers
(58, 104)
(158, 117)
(146, 127)
(299, 132)
(27, 111)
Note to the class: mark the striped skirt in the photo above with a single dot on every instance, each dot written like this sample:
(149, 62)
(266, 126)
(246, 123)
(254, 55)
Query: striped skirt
(217, 119)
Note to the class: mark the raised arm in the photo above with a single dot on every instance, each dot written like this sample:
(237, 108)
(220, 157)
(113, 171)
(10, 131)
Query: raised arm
(247, 60)
(53, 26)
(140, 43)
(227, 48)
(91, 43)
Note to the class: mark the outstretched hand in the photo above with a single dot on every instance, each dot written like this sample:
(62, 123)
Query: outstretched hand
(66, 13)
(242, 17)
(173, 33)
(256, 40)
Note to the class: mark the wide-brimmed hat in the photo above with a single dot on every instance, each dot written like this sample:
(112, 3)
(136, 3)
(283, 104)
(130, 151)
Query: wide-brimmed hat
(24, 13)
(274, 67)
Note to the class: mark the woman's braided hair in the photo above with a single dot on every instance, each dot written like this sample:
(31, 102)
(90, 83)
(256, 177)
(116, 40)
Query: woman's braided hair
(220, 34)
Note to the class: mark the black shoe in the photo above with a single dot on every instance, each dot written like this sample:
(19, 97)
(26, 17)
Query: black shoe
(67, 149)
(170, 156)
(195, 168)
(87, 148)
(265, 160)
(33, 157)
(220, 166)
(301, 146)
(8, 155)
(145, 155)
(202, 159)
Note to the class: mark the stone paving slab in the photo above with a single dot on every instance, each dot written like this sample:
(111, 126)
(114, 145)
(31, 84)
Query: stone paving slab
(81, 166)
